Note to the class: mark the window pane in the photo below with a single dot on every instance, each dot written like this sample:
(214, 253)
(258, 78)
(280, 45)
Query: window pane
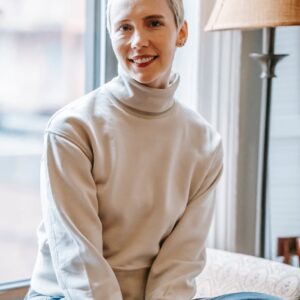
(41, 69)
(284, 170)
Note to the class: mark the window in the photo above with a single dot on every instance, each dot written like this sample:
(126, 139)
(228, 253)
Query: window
(42, 67)
(284, 170)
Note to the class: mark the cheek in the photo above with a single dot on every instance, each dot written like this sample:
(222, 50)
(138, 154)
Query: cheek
(169, 50)
(168, 44)
(118, 49)
(116, 42)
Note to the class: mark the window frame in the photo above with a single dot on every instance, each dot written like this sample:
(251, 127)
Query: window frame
(14, 290)
(101, 63)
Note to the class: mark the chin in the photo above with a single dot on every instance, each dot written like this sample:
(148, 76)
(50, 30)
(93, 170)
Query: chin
(150, 81)
(144, 81)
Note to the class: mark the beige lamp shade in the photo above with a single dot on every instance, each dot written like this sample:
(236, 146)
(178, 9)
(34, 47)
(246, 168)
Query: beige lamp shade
(253, 14)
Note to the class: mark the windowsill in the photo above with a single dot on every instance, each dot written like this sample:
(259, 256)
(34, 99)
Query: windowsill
(15, 290)
(14, 285)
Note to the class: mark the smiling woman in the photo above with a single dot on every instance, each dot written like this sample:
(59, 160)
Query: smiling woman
(127, 174)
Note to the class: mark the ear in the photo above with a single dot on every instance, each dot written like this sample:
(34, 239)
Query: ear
(182, 34)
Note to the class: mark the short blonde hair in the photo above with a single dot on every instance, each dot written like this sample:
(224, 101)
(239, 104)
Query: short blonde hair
(176, 7)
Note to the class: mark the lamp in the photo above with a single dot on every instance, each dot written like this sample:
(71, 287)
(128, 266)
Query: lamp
(253, 14)
(257, 14)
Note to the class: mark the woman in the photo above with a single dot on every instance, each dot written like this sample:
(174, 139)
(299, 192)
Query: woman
(127, 173)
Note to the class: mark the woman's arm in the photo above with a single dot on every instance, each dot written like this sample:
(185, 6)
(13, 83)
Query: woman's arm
(182, 255)
(74, 230)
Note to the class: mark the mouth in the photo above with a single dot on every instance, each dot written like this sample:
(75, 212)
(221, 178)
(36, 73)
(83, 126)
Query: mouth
(143, 60)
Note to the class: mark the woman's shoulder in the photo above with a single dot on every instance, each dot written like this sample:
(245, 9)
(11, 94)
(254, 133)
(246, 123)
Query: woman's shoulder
(198, 127)
(80, 113)
(82, 121)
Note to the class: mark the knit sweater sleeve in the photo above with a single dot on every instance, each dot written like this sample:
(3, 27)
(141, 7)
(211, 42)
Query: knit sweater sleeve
(73, 228)
(182, 255)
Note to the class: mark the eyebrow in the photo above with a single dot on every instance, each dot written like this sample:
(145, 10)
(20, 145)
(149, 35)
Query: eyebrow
(154, 17)
(145, 19)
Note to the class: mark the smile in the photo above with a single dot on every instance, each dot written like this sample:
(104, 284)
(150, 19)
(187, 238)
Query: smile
(142, 59)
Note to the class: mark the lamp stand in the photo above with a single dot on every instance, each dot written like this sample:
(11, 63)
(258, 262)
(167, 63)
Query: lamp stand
(268, 61)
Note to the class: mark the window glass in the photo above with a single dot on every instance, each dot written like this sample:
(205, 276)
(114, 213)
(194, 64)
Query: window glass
(42, 68)
(284, 169)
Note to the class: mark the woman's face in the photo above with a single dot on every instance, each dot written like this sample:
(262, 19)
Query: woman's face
(144, 38)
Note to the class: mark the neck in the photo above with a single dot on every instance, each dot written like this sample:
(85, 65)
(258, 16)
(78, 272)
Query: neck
(141, 97)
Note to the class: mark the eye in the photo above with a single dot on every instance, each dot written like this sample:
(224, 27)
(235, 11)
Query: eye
(125, 28)
(155, 23)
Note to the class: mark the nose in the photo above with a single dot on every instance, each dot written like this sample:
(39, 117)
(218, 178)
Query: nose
(139, 39)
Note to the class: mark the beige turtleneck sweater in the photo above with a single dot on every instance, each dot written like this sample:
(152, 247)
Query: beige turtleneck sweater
(126, 177)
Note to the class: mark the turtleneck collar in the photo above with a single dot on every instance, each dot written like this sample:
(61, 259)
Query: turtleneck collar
(141, 97)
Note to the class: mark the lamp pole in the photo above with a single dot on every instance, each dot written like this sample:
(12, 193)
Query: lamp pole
(268, 62)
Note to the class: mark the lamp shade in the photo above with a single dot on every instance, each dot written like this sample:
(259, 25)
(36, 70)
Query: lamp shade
(253, 14)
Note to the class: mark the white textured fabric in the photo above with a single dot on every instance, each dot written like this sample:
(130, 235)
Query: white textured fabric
(126, 176)
(228, 272)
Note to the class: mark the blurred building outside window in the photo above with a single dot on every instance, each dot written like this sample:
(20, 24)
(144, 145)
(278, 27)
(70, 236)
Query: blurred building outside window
(42, 68)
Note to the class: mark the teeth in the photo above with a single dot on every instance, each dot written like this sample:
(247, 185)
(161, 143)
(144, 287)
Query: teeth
(143, 60)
